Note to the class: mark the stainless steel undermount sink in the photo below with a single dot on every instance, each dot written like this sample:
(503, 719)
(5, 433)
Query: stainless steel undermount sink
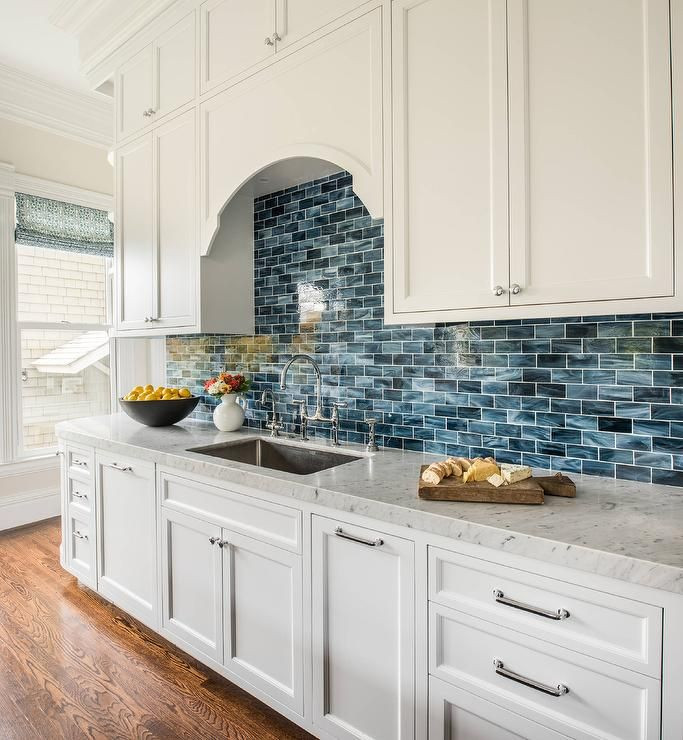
(265, 453)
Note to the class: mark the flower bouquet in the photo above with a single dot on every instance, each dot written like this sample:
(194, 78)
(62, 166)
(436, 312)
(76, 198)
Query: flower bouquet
(228, 416)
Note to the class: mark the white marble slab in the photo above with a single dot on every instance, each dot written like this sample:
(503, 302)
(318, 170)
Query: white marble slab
(619, 529)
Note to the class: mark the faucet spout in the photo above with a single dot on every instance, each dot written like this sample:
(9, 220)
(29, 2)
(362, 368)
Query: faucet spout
(318, 416)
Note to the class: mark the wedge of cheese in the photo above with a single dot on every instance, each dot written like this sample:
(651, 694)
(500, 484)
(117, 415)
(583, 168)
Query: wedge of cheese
(514, 473)
(481, 470)
(495, 480)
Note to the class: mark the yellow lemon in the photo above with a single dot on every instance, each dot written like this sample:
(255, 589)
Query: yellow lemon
(138, 389)
(132, 396)
(148, 388)
(185, 393)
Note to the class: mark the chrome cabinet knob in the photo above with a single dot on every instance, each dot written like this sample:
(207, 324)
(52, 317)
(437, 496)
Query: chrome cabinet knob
(276, 36)
(498, 290)
(268, 41)
(515, 289)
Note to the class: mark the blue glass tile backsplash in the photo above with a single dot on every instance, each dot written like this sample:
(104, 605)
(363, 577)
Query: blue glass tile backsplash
(601, 395)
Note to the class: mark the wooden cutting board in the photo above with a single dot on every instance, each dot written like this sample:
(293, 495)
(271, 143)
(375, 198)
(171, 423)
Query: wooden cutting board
(453, 489)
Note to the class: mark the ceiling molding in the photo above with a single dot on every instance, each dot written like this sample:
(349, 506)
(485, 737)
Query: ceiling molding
(107, 29)
(34, 102)
(72, 15)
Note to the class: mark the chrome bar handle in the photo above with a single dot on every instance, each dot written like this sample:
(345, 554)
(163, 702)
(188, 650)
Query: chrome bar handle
(76, 494)
(360, 540)
(501, 670)
(501, 598)
(80, 535)
(122, 468)
(79, 463)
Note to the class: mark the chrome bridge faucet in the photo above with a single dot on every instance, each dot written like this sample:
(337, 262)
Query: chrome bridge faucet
(318, 413)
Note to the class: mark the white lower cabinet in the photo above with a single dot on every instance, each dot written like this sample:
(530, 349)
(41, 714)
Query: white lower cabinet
(363, 632)
(126, 529)
(335, 625)
(263, 617)
(191, 585)
(236, 600)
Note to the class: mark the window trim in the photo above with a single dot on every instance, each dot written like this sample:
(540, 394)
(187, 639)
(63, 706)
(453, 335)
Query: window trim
(12, 182)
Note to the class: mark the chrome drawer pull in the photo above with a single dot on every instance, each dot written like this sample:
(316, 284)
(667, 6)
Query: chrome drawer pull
(370, 543)
(501, 670)
(76, 494)
(501, 598)
(79, 463)
(122, 468)
(80, 535)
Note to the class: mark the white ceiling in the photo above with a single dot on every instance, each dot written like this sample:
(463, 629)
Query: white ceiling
(29, 42)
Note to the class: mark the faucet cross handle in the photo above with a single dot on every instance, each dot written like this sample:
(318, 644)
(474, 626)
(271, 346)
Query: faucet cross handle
(336, 405)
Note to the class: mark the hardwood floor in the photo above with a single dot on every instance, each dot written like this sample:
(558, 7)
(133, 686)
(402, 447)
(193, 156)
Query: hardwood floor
(74, 666)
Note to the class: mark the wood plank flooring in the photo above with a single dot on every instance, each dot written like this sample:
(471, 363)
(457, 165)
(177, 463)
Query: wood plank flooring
(74, 666)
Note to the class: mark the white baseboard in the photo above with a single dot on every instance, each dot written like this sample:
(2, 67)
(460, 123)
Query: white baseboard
(26, 508)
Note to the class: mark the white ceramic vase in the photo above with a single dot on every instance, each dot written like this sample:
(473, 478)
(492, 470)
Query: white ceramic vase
(228, 416)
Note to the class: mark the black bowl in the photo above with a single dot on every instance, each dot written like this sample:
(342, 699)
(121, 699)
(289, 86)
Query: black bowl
(159, 413)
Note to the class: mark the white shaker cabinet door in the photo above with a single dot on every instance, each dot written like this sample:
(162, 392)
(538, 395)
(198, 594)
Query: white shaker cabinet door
(174, 56)
(449, 90)
(363, 632)
(126, 535)
(591, 214)
(135, 233)
(192, 587)
(236, 36)
(134, 94)
(263, 617)
(299, 18)
(176, 187)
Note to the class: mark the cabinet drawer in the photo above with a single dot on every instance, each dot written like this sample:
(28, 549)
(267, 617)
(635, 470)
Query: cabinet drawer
(618, 630)
(255, 517)
(79, 548)
(79, 462)
(79, 495)
(455, 714)
(602, 700)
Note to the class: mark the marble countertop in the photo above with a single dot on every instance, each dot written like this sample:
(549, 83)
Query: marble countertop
(619, 529)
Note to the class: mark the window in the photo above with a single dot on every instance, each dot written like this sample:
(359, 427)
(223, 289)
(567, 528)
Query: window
(64, 274)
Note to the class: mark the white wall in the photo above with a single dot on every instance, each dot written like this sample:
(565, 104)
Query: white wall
(29, 492)
(39, 153)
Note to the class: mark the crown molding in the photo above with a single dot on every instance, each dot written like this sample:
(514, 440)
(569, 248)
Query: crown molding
(111, 25)
(72, 15)
(34, 102)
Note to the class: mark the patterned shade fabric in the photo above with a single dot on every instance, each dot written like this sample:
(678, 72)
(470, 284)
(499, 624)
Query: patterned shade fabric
(42, 222)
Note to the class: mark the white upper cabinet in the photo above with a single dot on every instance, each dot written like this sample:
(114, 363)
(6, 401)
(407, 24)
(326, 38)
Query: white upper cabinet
(177, 252)
(591, 202)
(134, 233)
(156, 238)
(157, 80)
(450, 155)
(238, 37)
(174, 54)
(532, 163)
(134, 93)
(235, 37)
(298, 18)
